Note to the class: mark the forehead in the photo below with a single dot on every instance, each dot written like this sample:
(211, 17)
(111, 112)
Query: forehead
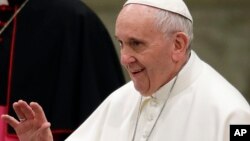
(138, 22)
(136, 16)
(134, 10)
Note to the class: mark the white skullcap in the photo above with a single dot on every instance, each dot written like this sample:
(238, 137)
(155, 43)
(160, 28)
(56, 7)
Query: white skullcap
(175, 6)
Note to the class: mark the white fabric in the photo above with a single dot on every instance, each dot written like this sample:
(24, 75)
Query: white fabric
(175, 6)
(150, 110)
(201, 107)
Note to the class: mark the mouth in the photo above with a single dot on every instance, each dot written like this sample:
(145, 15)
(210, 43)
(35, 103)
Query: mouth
(135, 72)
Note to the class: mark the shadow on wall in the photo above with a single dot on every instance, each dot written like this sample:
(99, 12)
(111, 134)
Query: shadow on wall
(221, 35)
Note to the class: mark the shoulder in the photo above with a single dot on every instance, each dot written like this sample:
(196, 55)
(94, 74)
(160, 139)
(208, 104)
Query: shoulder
(125, 92)
(218, 93)
(210, 90)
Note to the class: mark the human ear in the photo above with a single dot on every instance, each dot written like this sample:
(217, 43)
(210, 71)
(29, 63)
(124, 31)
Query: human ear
(180, 46)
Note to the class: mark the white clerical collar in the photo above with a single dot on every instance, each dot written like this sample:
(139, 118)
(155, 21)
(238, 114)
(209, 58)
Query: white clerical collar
(185, 77)
(163, 93)
(189, 73)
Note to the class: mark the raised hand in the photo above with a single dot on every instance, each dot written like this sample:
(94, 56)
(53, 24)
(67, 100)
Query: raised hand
(32, 124)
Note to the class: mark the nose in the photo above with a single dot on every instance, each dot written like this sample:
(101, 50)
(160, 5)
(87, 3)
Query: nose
(127, 57)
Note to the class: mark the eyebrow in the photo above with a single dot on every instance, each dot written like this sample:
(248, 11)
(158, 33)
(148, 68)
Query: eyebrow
(131, 39)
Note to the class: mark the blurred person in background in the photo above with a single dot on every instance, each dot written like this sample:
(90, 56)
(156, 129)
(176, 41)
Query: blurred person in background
(59, 53)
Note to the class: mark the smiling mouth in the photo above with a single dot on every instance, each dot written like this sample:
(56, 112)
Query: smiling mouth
(137, 71)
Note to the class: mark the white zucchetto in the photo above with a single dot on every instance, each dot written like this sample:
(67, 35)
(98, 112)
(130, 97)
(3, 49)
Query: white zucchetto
(175, 6)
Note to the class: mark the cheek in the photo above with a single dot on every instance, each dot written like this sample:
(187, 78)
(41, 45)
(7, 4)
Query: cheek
(161, 66)
(162, 59)
(122, 61)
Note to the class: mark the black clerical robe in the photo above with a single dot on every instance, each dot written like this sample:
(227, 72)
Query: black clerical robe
(59, 54)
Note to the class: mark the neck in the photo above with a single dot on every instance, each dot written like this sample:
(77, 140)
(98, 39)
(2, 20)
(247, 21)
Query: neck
(178, 68)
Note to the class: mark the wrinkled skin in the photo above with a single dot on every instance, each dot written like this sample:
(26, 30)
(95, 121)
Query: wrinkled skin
(35, 127)
(151, 58)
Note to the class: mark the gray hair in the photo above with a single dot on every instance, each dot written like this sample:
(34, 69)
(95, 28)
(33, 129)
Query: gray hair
(169, 22)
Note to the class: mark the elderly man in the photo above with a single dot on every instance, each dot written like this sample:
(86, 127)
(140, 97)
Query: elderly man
(173, 94)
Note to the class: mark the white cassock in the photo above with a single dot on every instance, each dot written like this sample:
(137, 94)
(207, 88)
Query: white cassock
(200, 107)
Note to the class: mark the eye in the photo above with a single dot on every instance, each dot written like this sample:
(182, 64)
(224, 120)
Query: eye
(120, 44)
(134, 43)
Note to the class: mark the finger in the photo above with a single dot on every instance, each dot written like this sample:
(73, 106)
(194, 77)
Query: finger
(10, 120)
(45, 130)
(46, 125)
(23, 110)
(18, 110)
(39, 113)
(26, 110)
